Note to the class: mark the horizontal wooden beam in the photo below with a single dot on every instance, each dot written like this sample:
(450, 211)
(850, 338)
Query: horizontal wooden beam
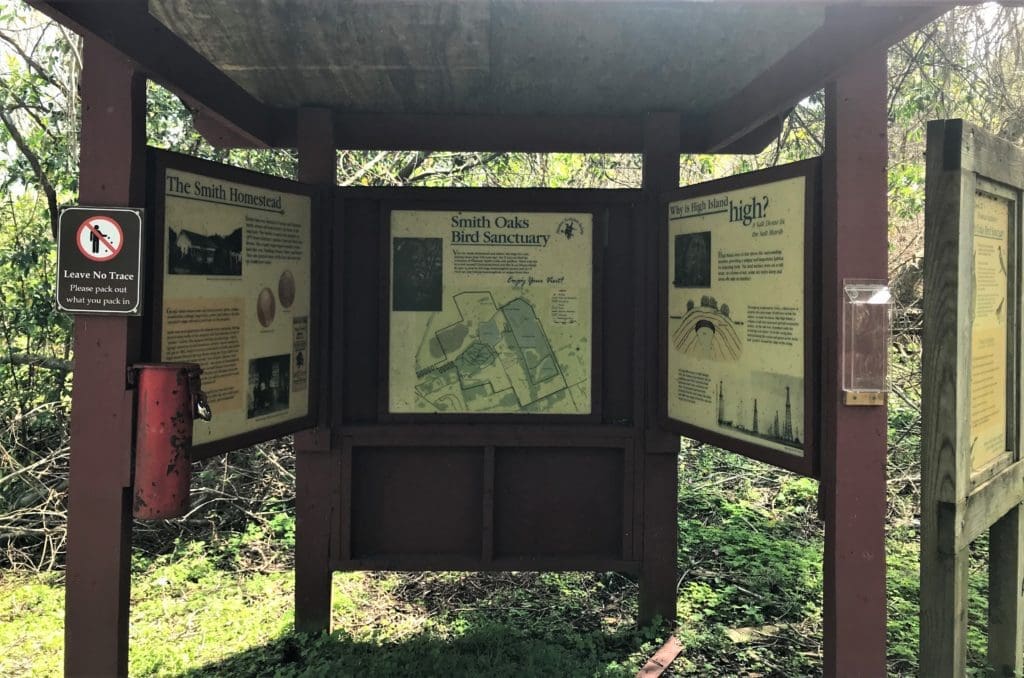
(848, 31)
(128, 26)
(988, 503)
(503, 133)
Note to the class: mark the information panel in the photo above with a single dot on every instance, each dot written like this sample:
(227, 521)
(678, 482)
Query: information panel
(236, 298)
(991, 240)
(737, 316)
(490, 312)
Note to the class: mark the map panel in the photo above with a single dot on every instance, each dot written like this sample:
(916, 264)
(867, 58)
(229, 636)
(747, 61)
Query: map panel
(491, 313)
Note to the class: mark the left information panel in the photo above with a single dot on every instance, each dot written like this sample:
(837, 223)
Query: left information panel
(236, 298)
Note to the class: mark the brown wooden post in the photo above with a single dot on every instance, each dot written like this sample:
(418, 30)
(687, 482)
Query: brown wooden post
(316, 466)
(853, 455)
(659, 454)
(113, 145)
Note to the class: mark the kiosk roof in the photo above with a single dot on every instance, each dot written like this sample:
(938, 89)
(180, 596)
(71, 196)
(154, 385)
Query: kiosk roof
(731, 69)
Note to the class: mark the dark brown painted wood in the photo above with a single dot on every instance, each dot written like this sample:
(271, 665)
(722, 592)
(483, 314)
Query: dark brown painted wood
(450, 562)
(587, 459)
(317, 465)
(487, 546)
(853, 447)
(344, 550)
(805, 463)
(102, 413)
(849, 31)
(658, 449)
(537, 134)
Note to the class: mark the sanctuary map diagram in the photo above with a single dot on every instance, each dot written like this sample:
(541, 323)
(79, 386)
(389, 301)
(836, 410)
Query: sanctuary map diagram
(500, 358)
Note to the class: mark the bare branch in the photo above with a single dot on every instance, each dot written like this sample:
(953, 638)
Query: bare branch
(40, 70)
(55, 364)
(37, 168)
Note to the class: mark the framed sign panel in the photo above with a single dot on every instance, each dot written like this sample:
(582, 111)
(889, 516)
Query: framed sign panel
(490, 312)
(972, 314)
(993, 304)
(235, 292)
(739, 309)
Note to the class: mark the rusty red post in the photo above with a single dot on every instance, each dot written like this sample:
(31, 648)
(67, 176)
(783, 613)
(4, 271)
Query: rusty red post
(317, 470)
(659, 452)
(855, 245)
(99, 512)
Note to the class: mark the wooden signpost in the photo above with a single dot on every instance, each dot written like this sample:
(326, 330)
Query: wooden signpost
(971, 468)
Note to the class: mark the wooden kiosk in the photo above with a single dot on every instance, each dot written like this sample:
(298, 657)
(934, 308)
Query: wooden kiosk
(384, 481)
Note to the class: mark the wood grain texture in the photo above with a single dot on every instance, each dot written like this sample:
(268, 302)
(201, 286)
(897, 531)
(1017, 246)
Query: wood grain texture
(944, 575)
(942, 393)
(988, 503)
(943, 594)
(958, 506)
(506, 58)
(1005, 602)
(991, 157)
(848, 32)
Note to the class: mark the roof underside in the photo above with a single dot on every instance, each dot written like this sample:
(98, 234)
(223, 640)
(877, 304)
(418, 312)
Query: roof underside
(527, 75)
(498, 57)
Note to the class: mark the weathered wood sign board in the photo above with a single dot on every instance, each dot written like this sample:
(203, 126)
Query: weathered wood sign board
(491, 312)
(235, 293)
(972, 475)
(739, 314)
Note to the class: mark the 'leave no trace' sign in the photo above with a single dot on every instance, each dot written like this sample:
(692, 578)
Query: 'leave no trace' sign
(100, 238)
(99, 261)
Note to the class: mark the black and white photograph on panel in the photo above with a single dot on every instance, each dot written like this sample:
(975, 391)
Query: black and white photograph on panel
(269, 384)
(192, 253)
(417, 274)
(693, 260)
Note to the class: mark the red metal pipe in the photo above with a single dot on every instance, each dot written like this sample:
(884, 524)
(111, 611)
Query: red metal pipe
(168, 394)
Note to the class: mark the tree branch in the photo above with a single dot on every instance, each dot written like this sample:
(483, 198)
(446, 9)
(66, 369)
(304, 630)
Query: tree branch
(37, 168)
(55, 364)
(35, 65)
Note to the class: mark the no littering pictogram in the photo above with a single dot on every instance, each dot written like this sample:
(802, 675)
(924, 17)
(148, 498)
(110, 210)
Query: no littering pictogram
(100, 238)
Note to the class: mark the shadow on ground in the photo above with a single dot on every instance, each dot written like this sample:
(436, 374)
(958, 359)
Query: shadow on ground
(466, 624)
(495, 650)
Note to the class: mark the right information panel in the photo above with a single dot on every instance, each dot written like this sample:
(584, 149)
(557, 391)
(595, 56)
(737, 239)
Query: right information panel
(736, 313)
(989, 329)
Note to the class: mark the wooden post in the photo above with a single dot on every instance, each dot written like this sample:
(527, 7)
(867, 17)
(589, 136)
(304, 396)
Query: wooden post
(658, 456)
(854, 245)
(98, 581)
(944, 563)
(1005, 602)
(958, 503)
(316, 465)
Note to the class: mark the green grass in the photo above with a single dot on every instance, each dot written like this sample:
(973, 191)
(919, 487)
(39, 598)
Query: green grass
(749, 603)
(190, 617)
